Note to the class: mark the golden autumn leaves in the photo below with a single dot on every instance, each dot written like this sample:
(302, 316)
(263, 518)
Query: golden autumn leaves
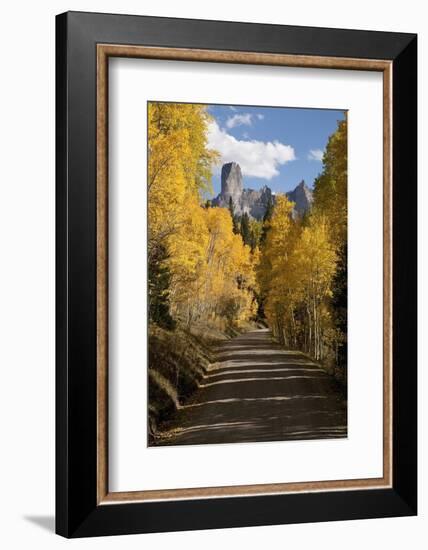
(296, 271)
(211, 271)
(302, 272)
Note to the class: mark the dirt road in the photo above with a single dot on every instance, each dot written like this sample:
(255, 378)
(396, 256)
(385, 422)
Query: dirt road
(257, 391)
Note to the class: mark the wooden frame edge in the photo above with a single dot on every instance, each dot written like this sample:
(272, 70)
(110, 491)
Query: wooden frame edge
(241, 57)
(104, 51)
(102, 274)
(387, 276)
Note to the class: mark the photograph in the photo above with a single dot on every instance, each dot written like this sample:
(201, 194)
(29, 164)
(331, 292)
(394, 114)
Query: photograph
(247, 273)
(212, 312)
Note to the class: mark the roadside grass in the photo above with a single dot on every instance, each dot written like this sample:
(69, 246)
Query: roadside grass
(178, 360)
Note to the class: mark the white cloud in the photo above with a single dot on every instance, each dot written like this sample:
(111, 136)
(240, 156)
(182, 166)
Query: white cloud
(242, 119)
(316, 154)
(257, 158)
(239, 120)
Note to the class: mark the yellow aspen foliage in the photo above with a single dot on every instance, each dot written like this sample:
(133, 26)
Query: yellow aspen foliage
(229, 273)
(187, 258)
(179, 164)
(331, 186)
(315, 258)
(274, 267)
(302, 266)
(296, 272)
(203, 270)
(277, 244)
(315, 262)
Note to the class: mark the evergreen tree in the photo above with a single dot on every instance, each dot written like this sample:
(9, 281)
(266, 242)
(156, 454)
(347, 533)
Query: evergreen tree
(253, 241)
(159, 282)
(245, 229)
(235, 220)
(331, 186)
(231, 209)
(266, 220)
(269, 210)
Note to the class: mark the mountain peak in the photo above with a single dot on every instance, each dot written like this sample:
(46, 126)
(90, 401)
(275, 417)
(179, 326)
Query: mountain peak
(254, 202)
(231, 182)
(302, 198)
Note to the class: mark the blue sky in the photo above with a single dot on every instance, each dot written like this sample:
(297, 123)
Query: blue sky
(274, 146)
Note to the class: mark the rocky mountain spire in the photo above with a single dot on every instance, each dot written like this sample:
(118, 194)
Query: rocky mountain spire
(254, 202)
(231, 183)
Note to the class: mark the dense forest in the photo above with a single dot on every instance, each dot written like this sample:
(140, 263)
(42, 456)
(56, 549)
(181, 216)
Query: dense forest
(302, 272)
(212, 270)
(200, 269)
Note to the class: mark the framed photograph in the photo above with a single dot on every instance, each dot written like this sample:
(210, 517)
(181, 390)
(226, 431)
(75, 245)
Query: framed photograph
(236, 274)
